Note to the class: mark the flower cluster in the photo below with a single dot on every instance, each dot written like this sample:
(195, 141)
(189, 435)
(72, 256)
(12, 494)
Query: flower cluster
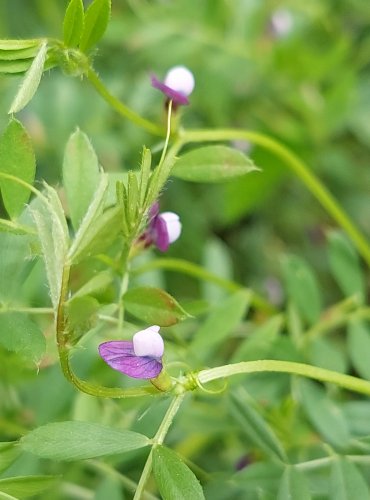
(141, 358)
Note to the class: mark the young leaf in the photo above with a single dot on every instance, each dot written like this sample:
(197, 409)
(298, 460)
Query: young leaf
(212, 164)
(73, 23)
(324, 414)
(359, 347)
(16, 158)
(80, 175)
(154, 306)
(245, 412)
(26, 486)
(219, 324)
(302, 287)
(8, 453)
(346, 482)
(20, 334)
(15, 67)
(9, 45)
(173, 477)
(80, 440)
(293, 485)
(345, 265)
(19, 54)
(31, 81)
(96, 22)
(53, 234)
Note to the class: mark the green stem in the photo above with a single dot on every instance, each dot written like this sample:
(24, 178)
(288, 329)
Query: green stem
(158, 440)
(298, 167)
(185, 267)
(346, 381)
(63, 350)
(121, 108)
(28, 310)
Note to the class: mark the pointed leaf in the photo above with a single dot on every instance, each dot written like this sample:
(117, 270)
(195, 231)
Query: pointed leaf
(53, 234)
(154, 306)
(26, 486)
(80, 175)
(31, 81)
(16, 158)
(293, 485)
(96, 22)
(323, 413)
(302, 287)
(347, 483)
(345, 265)
(80, 440)
(73, 23)
(212, 164)
(245, 410)
(173, 477)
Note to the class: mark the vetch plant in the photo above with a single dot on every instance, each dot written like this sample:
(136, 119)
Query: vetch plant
(240, 375)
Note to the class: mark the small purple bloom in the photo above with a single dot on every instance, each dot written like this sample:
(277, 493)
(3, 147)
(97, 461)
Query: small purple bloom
(141, 358)
(163, 228)
(177, 85)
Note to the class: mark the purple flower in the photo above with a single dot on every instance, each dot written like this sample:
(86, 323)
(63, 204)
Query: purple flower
(177, 85)
(163, 228)
(141, 358)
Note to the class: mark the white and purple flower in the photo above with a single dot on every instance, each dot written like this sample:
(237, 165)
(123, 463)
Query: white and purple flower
(178, 84)
(141, 358)
(163, 228)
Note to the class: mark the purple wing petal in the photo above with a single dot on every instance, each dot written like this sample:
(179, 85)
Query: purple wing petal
(176, 97)
(153, 210)
(119, 355)
(160, 234)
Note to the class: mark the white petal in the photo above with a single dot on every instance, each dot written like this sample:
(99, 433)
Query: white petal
(180, 79)
(148, 342)
(173, 225)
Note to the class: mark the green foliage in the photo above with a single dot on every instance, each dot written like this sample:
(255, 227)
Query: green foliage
(20, 334)
(293, 485)
(31, 81)
(346, 481)
(302, 287)
(73, 23)
(27, 486)
(18, 160)
(173, 477)
(80, 440)
(212, 164)
(245, 412)
(95, 23)
(154, 306)
(80, 175)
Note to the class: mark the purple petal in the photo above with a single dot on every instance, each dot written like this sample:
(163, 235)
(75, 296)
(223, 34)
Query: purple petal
(119, 355)
(176, 97)
(160, 234)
